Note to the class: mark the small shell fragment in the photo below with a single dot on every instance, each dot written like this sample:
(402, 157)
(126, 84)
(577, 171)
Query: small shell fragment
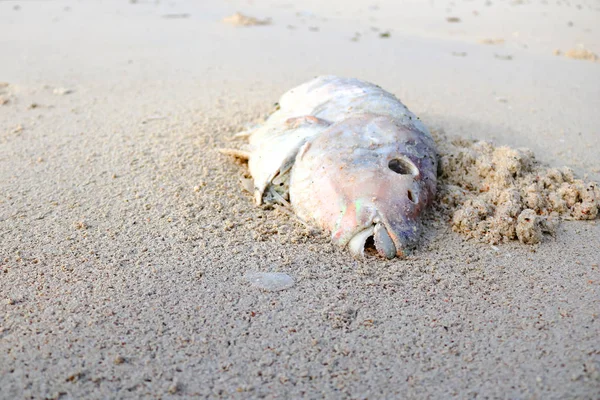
(270, 281)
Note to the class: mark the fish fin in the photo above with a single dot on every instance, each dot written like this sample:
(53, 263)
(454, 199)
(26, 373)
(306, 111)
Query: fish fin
(277, 198)
(244, 134)
(264, 183)
(303, 149)
(274, 156)
(243, 154)
(297, 122)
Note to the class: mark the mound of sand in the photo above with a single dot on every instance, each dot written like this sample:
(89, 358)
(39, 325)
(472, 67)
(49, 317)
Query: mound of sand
(494, 194)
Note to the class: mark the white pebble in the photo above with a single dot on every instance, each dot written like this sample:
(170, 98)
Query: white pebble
(270, 281)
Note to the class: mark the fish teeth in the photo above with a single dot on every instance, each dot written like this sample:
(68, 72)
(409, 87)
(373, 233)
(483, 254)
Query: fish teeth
(358, 242)
(383, 242)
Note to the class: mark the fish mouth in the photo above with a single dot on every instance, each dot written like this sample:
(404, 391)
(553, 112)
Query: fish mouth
(383, 242)
(392, 238)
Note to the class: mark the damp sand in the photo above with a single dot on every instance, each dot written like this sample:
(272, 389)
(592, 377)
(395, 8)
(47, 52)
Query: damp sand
(124, 235)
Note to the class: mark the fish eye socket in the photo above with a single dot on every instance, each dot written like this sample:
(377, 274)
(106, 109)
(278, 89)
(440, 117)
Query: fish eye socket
(402, 166)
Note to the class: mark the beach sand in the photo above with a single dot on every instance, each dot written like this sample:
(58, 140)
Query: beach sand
(125, 235)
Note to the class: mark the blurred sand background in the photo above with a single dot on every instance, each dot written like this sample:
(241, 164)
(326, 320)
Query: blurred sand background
(125, 235)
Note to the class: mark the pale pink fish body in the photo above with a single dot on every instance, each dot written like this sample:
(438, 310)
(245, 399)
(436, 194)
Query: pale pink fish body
(353, 160)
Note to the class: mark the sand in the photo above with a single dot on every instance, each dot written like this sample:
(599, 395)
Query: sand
(496, 194)
(125, 238)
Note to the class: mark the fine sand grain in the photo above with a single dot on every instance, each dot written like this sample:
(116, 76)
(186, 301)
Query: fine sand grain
(126, 242)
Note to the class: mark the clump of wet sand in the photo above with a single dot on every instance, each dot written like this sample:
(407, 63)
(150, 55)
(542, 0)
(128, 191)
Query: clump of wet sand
(496, 194)
(240, 19)
(492, 41)
(579, 54)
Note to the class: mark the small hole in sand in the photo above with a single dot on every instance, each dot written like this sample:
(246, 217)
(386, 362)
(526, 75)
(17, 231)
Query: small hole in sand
(402, 166)
(411, 196)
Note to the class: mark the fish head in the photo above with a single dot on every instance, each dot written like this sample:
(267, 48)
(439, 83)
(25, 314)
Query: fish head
(368, 176)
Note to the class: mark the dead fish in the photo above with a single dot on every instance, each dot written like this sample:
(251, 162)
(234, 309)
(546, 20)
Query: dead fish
(349, 158)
